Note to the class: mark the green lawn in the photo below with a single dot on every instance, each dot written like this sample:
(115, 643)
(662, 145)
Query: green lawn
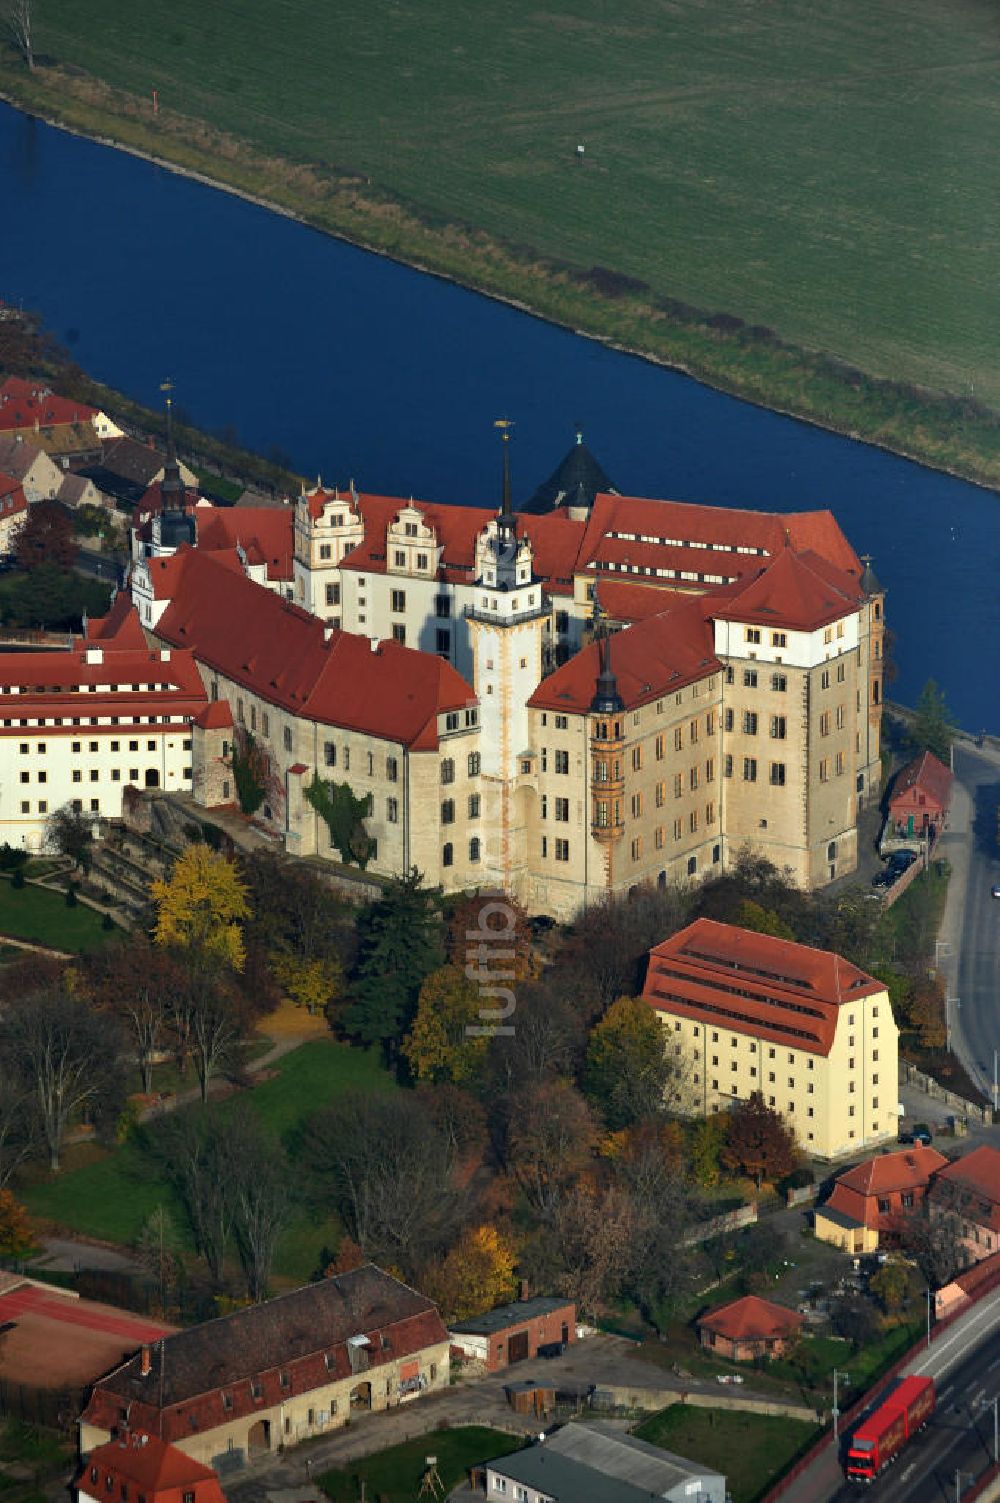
(33, 913)
(109, 1195)
(394, 1476)
(751, 1449)
(828, 171)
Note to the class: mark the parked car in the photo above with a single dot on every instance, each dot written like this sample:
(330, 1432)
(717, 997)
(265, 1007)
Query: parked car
(551, 1349)
(922, 1134)
(995, 890)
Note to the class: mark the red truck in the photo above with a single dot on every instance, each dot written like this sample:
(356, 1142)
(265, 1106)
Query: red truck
(880, 1438)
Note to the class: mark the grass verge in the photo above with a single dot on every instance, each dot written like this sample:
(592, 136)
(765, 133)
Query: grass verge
(40, 916)
(750, 1449)
(394, 1476)
(109, 1194)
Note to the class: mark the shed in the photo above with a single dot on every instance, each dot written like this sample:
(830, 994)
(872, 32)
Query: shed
(921, 796)
(749, 1328)
(515, 1332)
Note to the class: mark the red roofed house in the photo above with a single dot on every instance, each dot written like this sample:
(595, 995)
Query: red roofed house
(749, 1328)
(79, 726)
(970, 1186)
(746, 1013)
(140, 1468)
(27, 404)
(273, 1374)
(921, 796)
(863, 1210)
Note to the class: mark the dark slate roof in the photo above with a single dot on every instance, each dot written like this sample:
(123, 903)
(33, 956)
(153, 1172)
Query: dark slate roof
(598, 1463)
(303, 1334)
(132, 460)
(575, 482)
(512, 1315)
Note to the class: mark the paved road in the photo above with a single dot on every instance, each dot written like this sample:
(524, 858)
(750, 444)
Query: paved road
(965, 1364)
(971, 948)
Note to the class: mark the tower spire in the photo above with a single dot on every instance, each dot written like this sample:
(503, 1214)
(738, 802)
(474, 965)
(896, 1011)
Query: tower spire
(606, 700)
(506, 521)
(172, 488)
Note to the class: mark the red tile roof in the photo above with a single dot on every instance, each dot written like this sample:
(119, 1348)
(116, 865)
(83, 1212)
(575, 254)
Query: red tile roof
(974, 1180)
(857, 1192)
(924, 775)
(12, 491)
(130, 682)
(24, 403)
(265, 533)
(216, 716)
(301, 1336)
(654, 657)
(755, 984)
(707, 539)
(120, 626)
(799, 591)
(752, 1319)
(151, 1466)
(286, 656)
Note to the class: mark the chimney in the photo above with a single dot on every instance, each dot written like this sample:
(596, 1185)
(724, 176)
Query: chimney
(374, 642)
(524, 1289)
(145, 1365)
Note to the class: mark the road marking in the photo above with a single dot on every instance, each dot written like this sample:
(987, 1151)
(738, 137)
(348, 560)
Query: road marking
(993, 1364)
(911, 1468)
(945, 1392)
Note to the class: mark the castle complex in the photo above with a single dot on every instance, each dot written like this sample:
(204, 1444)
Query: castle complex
(572, 700)
(563, 702)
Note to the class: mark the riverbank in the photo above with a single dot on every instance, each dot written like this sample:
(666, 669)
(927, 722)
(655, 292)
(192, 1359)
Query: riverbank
(957, 435)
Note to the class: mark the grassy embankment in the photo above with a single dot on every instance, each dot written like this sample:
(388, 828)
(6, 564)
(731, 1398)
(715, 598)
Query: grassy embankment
(829, 178)
(34, 914)
(750, 1449)
(109, 1194)
(394, 1475)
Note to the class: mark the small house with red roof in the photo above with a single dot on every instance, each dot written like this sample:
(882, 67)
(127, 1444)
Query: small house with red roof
(866, 1204)
(748, 1014)
(271, 1375)
(140, 1468)
(921, 796)
(970, 1188)
(749, 1329)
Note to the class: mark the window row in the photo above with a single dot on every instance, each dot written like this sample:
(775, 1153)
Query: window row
(474, 765)
(448, 809)
(779, 681)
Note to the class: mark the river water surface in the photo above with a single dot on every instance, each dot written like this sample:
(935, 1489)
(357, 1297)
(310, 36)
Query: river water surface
(356, 367)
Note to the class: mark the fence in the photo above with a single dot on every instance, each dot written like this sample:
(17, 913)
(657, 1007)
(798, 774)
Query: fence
(55, 1408)
(912, 1076)
(718, 1226)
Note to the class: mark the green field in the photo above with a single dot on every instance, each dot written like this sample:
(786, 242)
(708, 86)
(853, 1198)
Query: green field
(750, 1449)
(825, 171)
(34, 913)
(394, 1476)
(109, 1195)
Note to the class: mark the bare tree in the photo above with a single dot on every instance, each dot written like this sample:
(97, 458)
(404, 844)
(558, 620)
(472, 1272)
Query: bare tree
(18, 1127)
(195, 1147)
(261, 1203)
(20, 28)
(390, 1171)
(216, 1029)
(60, 1050)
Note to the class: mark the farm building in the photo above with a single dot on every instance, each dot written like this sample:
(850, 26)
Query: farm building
(514, 1333)
(274, 1374)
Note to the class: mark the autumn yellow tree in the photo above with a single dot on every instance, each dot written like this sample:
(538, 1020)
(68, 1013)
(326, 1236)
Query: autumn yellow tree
(439, 1046)
(476, 1275)
(201, 908)
(16, 1237)
(312, 984)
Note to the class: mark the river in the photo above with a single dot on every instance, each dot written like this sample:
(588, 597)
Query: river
(356, 367)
